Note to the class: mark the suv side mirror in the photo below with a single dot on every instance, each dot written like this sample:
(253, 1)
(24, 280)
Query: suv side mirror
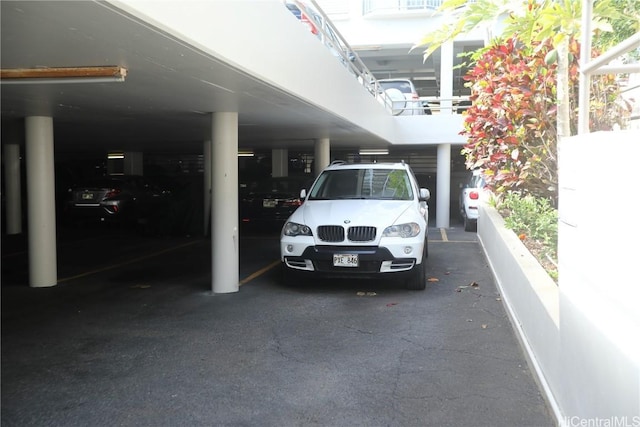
(425, 195)
(303, 194)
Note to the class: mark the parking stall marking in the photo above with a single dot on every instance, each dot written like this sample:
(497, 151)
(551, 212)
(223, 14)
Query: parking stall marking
(443, 234)
(131, 261)
(259, 272)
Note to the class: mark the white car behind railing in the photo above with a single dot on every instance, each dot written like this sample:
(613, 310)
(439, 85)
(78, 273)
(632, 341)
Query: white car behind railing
(404, 97)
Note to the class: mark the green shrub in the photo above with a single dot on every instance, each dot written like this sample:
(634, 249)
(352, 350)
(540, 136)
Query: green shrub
(535, 221)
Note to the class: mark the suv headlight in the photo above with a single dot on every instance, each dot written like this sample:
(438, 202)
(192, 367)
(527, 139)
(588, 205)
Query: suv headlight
(410, 229)
(295, 229)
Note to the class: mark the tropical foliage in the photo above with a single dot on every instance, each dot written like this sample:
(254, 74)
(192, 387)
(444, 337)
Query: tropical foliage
(626, 25)
(613, 20)
(524, 92)
(524, 84)
(511, 125)
(535, 222)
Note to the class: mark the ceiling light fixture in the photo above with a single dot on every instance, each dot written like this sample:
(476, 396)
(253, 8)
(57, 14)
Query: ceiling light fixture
(55, 75)
(245, 153)
(374, 152)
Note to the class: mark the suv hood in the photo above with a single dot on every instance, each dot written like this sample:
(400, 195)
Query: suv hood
(357, 212)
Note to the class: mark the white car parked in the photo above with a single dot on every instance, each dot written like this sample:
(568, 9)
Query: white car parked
(403, 96)
(359, 220)
(470, 196)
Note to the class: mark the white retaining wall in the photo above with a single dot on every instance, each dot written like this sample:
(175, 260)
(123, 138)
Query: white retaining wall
(529, 294)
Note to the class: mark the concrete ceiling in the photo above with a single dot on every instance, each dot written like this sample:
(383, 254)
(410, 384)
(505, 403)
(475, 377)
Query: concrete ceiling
(164, 104)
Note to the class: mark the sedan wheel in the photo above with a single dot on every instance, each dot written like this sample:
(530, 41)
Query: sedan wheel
(469, 225)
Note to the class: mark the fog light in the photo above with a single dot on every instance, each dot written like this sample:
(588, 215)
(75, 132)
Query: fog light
(408, 250)
(289, 248)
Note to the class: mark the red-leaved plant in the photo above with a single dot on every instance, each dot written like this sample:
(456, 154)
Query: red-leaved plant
(511, 125)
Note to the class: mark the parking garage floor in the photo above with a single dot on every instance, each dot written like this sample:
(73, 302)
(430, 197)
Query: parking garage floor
(133, 336)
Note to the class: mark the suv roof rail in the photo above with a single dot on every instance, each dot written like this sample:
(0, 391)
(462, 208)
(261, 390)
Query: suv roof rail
(337, 162)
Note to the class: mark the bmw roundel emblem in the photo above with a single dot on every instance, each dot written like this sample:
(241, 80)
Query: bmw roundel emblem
(346, 221)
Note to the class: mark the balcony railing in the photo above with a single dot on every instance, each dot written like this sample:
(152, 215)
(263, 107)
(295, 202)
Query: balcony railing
(329, 35)
(392, 7)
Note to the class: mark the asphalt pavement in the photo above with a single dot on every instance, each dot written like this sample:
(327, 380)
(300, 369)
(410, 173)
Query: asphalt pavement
(133, 336)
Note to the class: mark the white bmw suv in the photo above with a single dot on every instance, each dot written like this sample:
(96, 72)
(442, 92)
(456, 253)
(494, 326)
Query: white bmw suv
(359, 220)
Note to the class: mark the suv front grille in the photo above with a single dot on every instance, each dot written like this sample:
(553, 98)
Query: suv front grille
(361, 234)
(331, 233)
(335, 233)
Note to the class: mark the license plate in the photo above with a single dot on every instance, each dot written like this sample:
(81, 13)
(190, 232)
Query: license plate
(269, 203)
(345, 260)
(87, 196)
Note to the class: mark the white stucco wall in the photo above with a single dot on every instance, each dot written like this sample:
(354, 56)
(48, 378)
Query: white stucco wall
(599, 281)
(386, 27)
(300, 65)
(291, 59)
(581, 336)
(429, 129)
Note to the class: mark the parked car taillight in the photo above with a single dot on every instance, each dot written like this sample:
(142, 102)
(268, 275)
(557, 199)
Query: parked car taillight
(474, 195)
(112, 193)
(292, 202)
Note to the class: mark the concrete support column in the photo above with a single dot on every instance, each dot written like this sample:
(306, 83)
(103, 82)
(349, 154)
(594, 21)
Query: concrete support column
(279, 162)
(41, 201)
(322, 155)
(133, 163)
(443, 172)
(225, 243)
(446, 78)
(12, 187)
(443, 186)
(206, 158)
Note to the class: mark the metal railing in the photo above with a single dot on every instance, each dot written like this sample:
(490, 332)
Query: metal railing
(336, 43)
(590, 67)
(329, 35)
(431, 105)
(381, 7)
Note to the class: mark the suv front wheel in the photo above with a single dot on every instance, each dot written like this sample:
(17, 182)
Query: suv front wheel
(418, 281)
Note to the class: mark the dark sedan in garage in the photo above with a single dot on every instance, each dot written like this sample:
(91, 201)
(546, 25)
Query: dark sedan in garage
(122, 199)
(267, 203)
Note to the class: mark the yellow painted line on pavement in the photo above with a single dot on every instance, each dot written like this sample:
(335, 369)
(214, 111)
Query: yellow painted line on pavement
(131, 261)
(443, 233)
(259, 272)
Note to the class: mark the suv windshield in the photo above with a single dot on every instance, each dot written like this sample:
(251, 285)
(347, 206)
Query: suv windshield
(385, 184)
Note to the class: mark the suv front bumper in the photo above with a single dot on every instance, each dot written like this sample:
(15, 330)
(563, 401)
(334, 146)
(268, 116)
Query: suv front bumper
(372, 260)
